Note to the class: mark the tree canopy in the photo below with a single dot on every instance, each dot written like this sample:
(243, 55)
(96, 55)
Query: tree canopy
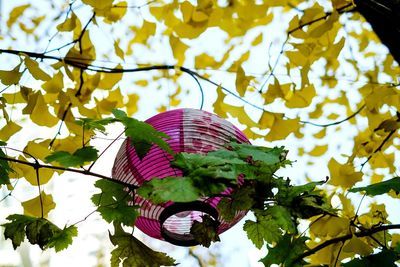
(309, 77)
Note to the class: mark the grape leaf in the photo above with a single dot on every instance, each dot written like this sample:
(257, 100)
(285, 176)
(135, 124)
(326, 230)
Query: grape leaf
(38, 231)
(78, 158)
(380, 188)
(177, 189)
(142, 135)
(130, 252)
(385, 258)
(286, 251)
(282, 217)
(205, 231)
(240, 199)
(62, 239)
(112, 203)
(260, 230)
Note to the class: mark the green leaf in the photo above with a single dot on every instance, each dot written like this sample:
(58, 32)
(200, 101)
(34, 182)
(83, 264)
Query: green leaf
(15, 230)
(177, 189)
(286, 251)
(282, 217)
(380, 188)
(5, 168)
(142, 135)
(385, 258)
(240, 199)
(130, 252)
(78, 158)
(38, 231)
(112, 203)
(62, 239)
(205, 231)
(261, 230)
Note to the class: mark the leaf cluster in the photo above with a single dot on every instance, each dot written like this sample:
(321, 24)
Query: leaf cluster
(131, 252)
(38, 231)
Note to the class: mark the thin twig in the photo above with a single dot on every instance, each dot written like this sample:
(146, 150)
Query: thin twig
(379, 148)
(102, 152)
(336, 122)
(44, 166)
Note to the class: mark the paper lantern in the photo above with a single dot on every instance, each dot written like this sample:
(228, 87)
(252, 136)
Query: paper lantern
(192, 131)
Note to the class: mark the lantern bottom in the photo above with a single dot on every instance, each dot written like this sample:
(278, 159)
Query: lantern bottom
(177, 219)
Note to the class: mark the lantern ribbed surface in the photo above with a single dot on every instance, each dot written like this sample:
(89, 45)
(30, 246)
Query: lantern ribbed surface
(192, 131)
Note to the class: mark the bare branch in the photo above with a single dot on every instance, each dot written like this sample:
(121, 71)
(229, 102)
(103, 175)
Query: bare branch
(364, 233)
(336, 122)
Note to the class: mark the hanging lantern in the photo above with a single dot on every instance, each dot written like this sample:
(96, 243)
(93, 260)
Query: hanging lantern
(192, 131)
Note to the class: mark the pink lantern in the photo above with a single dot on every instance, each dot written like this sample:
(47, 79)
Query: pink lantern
(192, 131)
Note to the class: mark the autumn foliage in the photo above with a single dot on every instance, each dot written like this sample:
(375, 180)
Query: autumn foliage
(307, 77)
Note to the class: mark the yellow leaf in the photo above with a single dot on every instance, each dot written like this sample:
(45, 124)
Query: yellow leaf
(333, 116)
(295, 29)
(35, 70)
(343, 175)
(282, 128)
(9, 130)
(329, 226)
(38, 150)
(143, 83)
(109, 80)
(241, 115)
(178, 49)
(317, 111)
(29, 173)
(116, 96)
(318, 150)
(15, 14)
(39, 111)
(325, 27)
(381, 160)
(14, 98)
(69, 24)
(337, 4)
(204, 60)
(38, 206)
(357, 246)
(118, 51)
(187, 10)
(347, 206)
(257, 40)
(10, 77)
(219, 105)
(242, 81)
(142, 33)
(161, 109)
(395, 240)
(301, 98)
(267, 120)
(55, 84)
(116, 12)
(132, 105)
(377, 215)
(376, 178)
(99, 4)
(320, 134)
(276, 90)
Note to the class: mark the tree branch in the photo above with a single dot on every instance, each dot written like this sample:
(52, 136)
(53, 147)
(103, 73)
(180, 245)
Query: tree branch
(347, 237)
(84, 172)
(336, 122)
